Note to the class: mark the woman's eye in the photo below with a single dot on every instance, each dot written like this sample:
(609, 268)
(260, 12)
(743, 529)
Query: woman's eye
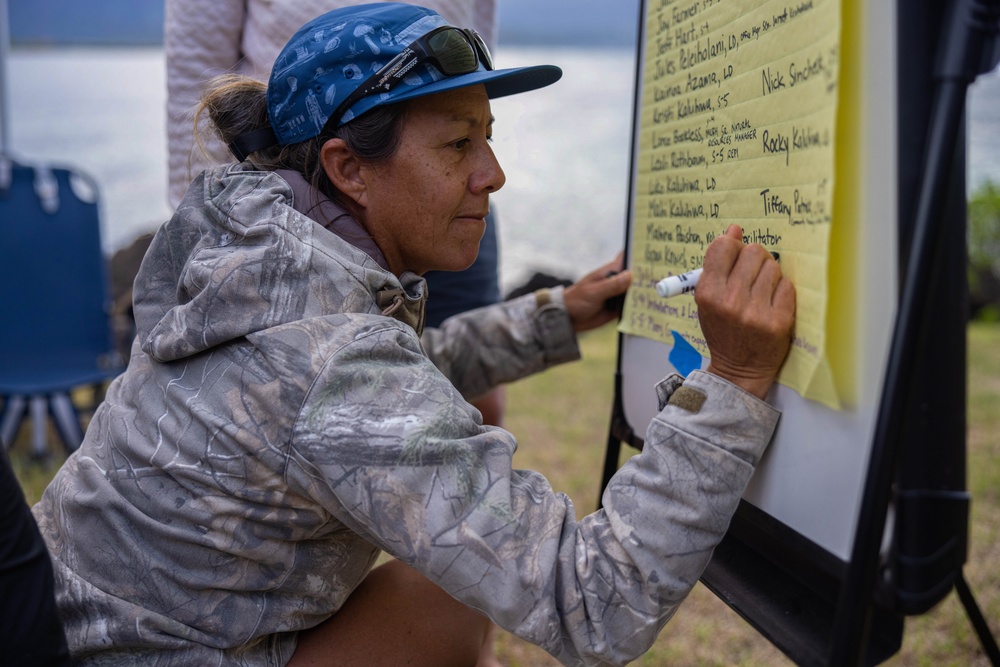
(461, 143)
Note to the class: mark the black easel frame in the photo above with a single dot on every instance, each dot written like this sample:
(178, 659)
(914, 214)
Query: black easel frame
(918, 463)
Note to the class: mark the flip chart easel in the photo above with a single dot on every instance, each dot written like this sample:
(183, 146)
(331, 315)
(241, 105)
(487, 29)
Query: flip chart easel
(858, 513)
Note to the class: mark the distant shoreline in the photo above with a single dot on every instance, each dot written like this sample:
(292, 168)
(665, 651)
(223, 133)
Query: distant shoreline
(523, 23)
(514, 40)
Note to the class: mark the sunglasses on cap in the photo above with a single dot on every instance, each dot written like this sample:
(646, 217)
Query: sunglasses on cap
(452, 50)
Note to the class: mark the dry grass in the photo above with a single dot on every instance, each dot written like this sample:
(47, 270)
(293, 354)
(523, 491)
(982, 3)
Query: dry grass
(561, 419)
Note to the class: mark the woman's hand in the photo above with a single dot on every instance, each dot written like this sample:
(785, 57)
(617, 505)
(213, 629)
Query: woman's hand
(747, 312)
(586, 298)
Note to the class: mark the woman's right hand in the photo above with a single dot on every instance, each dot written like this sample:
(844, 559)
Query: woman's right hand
(746, 308)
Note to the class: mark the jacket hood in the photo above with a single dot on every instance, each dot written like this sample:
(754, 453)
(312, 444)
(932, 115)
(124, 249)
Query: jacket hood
(237, 258)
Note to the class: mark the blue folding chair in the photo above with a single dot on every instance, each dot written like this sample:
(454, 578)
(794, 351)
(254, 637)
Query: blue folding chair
(55, 329)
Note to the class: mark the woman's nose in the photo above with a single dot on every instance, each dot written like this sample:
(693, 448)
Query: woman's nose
(489, 175)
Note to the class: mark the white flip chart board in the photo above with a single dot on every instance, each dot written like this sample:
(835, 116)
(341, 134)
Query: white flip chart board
(778, 115)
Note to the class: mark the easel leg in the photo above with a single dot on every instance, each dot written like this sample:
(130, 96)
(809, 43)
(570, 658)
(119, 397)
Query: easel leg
(977, 620)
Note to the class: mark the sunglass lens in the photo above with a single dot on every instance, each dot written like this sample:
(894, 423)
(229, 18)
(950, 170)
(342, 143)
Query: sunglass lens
(453, 52)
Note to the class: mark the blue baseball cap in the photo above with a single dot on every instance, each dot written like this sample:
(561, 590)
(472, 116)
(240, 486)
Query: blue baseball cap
(334, 54)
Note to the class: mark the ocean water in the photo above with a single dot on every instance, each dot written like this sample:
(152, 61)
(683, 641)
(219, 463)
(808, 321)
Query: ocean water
(565, 149)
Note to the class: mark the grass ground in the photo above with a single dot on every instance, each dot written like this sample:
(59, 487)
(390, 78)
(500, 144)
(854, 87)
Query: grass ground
(561, 419)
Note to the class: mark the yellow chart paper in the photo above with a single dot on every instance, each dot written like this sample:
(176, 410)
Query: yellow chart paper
(737, 124)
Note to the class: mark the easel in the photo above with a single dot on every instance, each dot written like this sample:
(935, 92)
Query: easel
(853, 612)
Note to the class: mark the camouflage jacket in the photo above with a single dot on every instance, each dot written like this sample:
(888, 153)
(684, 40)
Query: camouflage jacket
(274, 431)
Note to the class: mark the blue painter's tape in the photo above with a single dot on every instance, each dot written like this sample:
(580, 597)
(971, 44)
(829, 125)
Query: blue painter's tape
(683, 356)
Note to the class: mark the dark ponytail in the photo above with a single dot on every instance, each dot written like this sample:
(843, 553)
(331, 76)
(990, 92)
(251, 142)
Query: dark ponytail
(236, 105)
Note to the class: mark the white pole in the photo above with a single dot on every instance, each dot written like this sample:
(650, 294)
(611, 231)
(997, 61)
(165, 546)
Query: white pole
(4, 98)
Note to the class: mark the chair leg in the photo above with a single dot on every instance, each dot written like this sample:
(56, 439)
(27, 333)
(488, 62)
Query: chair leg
(67, 421)
(13, 415)
(39, 426)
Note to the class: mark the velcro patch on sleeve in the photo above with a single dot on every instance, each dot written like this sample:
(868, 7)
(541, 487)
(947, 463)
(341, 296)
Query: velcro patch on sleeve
(688, 399)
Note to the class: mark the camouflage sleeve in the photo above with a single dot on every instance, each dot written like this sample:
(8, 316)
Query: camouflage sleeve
(386, 445)
(482, 348)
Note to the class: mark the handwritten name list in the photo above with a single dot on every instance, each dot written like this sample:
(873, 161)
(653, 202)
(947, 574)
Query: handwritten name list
(737, 124)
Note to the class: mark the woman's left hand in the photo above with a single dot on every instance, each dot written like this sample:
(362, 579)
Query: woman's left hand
(586, 299)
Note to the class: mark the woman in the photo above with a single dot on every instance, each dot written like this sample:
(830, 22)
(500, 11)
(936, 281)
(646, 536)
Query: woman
(281, 422)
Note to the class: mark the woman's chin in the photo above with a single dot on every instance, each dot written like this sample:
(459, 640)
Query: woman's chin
(460, 261)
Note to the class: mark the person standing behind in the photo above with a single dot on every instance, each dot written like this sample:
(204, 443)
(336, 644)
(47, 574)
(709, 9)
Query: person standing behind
(205, 39)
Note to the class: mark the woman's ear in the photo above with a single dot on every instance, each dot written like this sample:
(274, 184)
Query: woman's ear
(343, 169)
